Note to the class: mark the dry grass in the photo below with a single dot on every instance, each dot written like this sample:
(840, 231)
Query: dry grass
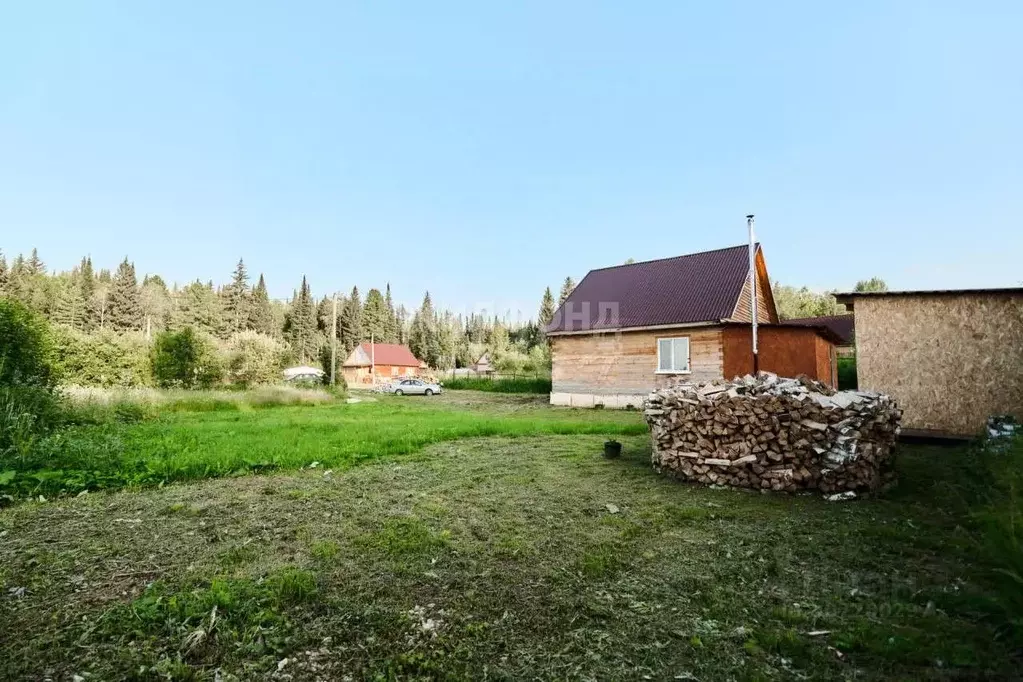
(86, 396)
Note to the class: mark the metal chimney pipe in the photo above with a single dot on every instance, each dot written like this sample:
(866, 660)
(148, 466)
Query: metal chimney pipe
(753, 290)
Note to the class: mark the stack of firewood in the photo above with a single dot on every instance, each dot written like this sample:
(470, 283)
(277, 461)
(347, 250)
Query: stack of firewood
(775, 434)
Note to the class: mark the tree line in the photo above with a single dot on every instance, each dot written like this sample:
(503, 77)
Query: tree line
(91, 304)
(797, 302)
(107, 317)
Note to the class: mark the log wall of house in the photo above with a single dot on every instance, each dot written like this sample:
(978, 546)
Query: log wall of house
(951, 361)
(626, 362)
(362, 376)
(786, 351)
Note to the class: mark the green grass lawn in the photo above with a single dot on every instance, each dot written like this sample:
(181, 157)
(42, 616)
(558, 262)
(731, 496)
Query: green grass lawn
(183, 445)
(482, 557)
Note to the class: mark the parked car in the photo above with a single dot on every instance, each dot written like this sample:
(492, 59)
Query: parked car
(413, 387)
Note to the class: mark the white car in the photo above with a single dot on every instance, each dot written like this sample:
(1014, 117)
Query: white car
(413, 387)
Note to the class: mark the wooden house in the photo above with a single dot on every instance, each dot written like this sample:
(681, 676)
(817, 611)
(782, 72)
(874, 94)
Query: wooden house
(628, 329)
(951, 358)
(375, 363)
(483, 365)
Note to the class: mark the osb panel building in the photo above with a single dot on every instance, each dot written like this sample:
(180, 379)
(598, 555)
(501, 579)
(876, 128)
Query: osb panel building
(628, 329)
(951, 358)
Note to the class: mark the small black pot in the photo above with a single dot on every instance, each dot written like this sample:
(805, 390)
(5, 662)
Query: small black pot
(612, 449)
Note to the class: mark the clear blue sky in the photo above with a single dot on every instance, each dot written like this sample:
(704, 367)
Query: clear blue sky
(485, 152)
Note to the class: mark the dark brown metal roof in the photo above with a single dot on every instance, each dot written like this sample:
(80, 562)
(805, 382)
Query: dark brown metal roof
(842, 326)
(699, 287)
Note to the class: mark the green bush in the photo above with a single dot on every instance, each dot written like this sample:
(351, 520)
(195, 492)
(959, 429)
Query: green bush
(26, 413)
(993, 499)
(26, 350)
(513, 385)
(102, 358)
(183, 359)
(847, 374)
(515, 360)
(28, 405)
(254, 358)
(341, 385)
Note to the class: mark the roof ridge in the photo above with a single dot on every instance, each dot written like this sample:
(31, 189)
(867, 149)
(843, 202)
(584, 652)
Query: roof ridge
(818, 317)
(683, 255)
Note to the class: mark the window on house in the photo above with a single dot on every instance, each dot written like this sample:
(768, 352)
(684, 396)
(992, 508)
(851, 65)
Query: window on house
(394, 371)
(673, 355)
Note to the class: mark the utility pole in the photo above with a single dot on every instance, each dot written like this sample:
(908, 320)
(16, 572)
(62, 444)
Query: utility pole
(333, 340)
(753, 291)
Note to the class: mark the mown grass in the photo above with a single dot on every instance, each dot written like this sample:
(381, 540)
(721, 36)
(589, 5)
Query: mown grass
(180, 445)
(500, 558)
(508, 385)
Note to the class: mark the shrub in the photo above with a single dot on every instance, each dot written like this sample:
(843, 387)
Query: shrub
(517, 360)
(102, 358)
(254, 358)
(340, 384)
(28, 405)
(26, 413)
(993, 497)
(26, 351)
(515, 385)
(847, 374)
(183, 359)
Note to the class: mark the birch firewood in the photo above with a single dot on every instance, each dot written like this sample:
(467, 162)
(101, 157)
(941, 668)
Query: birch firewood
(774, 434)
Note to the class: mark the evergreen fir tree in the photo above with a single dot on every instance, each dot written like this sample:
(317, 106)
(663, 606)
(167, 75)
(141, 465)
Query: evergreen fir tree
(236, 300)
(35, 264)
(324, 313)
(87, 286)
(3, 275)
(393, 330)
(423, 338)
(261, 314)
(27, 283)
(376, 323)
(401, 320)
(300, 328)
(125, 300)
(566, 290)
(17, 281)
(546, 313)
(350, 323)
(197, 306)
(68, 305)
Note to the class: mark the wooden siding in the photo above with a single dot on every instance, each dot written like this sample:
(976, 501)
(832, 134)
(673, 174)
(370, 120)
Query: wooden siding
(786, 351)
(766, 311)
(626, 362)
(361, 375)
(951, 361)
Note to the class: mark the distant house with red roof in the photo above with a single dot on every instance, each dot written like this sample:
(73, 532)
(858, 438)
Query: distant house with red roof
(628, 329)
(373, 363)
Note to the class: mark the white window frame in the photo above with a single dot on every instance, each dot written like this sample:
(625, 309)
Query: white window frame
(689, 355)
